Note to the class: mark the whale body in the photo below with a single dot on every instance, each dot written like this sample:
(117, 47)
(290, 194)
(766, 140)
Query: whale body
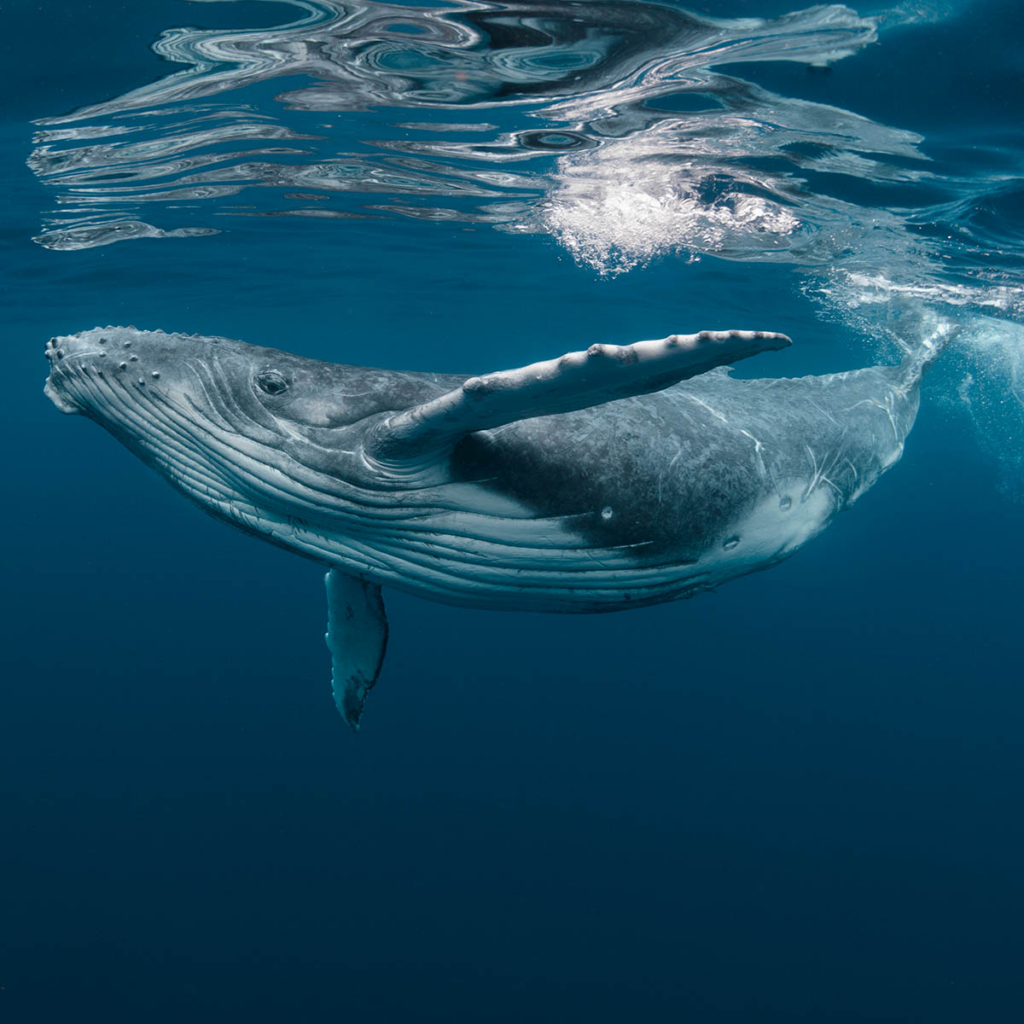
(610, 478)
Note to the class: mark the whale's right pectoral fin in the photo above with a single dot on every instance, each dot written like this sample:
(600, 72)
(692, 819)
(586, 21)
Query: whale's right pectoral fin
(577, 380)
(357, 635)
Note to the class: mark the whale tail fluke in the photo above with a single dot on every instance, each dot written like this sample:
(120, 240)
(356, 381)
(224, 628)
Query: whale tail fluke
(919, 359)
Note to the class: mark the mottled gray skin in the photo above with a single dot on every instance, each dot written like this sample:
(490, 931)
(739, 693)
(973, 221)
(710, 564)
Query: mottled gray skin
(630, 502)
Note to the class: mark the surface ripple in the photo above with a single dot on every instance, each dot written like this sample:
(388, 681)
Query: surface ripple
(625, 131)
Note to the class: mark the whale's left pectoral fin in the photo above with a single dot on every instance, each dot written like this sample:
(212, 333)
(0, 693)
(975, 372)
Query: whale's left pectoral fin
(357, 636)
(577, 380)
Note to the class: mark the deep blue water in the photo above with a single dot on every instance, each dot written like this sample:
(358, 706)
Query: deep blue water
(795, 799)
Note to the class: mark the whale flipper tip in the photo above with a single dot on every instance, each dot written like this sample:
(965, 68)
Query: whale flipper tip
(357, 636)
(577, 380)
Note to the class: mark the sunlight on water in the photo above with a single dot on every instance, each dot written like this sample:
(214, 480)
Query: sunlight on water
(576, 89)
(614, 128)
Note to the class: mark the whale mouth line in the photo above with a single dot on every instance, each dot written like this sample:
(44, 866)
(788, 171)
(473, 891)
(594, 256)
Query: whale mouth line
(60, 400)
(81, 355)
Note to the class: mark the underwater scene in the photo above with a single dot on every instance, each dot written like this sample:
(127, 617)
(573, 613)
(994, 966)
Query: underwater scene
(632, 392)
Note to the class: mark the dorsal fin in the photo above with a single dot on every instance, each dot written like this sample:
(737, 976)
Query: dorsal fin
(577, 380)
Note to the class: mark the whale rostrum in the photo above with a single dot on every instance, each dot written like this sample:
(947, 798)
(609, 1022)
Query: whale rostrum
(610, 478)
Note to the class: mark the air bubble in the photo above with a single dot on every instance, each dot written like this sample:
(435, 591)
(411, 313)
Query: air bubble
(560, 142)
(607, 512)
(785, 503)
(730, 542)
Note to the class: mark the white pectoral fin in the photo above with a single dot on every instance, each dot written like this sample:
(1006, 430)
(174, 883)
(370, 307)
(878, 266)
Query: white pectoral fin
(357, 636)
(577, 380)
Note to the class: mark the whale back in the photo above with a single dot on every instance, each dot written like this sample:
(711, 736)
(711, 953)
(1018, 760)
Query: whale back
(667, 470)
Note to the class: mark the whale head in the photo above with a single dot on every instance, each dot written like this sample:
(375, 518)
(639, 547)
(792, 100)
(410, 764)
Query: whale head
(255, 434)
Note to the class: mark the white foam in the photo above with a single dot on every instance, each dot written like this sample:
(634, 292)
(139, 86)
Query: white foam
(920, 12)
(984, 366)
(874, 289)
(621, 208)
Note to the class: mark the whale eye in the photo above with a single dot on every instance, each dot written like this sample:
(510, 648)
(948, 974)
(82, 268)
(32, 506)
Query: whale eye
(271, 382)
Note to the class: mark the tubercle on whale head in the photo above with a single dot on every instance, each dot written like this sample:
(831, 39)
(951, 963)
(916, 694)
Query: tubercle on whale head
(54, 353)
(264, 384)
(89, 367)
(216, 416)
(226, 423)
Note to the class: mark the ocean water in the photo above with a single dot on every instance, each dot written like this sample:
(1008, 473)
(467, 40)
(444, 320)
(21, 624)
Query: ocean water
(798, 798)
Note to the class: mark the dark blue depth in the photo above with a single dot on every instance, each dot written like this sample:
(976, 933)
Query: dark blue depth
(797, 799)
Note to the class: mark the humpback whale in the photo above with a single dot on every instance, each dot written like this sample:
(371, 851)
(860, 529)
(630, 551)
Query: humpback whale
(604, 479)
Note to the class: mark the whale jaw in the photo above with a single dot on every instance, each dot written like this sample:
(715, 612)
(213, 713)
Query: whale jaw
(54, 353)
(59, 399)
